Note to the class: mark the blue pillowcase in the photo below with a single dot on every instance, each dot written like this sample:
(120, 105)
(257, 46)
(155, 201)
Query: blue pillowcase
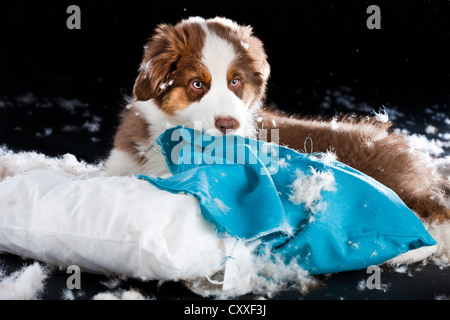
(324, 214)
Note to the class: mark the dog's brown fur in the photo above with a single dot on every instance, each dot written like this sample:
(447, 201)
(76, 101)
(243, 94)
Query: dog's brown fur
(368, 146)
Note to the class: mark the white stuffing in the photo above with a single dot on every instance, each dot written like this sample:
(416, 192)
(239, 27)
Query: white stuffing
(112, 283)
(334, 125)
(362, 285)
(12, 163)
(27, 98)
(145, 65)
(282, 277)
(307, 189)
(282, 163)
(72, 294)
(67, 294)
(131, 294)
(91, 126)
(382, 115)
(401, 269)
(441, 233)
(445, 136)
(25, 284)
(328, 157)
(431, 129)
(245, 45)
(164, 85)
(263, 274)
(431, 146)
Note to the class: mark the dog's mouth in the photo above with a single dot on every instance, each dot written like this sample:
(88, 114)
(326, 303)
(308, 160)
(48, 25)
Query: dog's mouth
(222, 126)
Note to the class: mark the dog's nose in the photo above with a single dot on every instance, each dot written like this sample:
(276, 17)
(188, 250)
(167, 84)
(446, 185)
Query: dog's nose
(224, 124)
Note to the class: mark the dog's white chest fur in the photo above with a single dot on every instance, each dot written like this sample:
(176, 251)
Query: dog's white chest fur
(119, 163)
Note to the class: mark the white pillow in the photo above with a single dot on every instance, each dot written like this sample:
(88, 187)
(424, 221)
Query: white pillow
(107, 225)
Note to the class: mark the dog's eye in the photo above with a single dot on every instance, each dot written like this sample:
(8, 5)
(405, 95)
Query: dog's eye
(234, 82)
(197, 85)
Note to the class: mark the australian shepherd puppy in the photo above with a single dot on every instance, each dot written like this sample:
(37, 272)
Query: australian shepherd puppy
(214, 73)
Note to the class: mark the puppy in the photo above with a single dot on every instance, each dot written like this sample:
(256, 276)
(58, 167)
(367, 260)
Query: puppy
(214, 73)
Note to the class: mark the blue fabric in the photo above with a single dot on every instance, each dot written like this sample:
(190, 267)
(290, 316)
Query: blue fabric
(244, 187)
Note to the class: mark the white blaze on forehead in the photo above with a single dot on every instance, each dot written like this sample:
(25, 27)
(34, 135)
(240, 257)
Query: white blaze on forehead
(217, 56)
(219, 101)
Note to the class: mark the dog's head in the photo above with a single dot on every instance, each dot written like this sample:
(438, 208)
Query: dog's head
(214, 71)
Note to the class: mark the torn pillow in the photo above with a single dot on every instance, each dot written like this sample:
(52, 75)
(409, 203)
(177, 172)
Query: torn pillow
(325, 215)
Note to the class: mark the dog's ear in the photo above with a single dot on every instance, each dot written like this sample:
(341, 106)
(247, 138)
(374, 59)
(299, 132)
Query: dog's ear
(158, 63)
(260, 63)
(256, 50)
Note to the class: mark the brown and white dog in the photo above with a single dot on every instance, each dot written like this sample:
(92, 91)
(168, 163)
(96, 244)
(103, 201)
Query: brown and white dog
(215, 72)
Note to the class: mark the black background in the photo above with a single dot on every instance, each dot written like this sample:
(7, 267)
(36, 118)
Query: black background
(308, 42)
(315, 48)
